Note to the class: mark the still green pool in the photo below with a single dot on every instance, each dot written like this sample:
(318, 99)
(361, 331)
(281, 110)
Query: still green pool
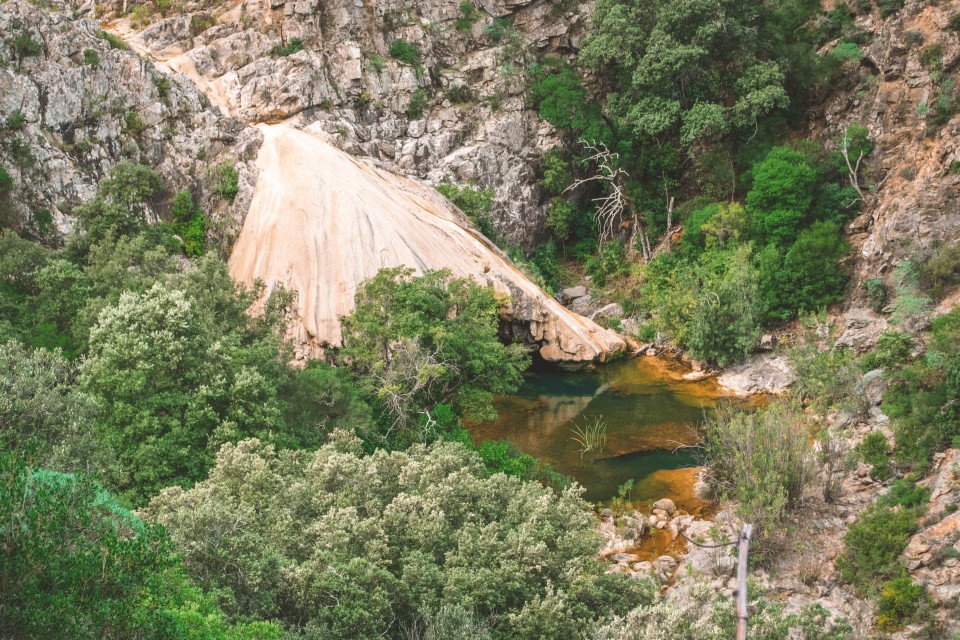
(650, 414)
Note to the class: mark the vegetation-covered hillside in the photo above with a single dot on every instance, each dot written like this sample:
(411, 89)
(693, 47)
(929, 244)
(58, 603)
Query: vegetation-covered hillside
(170, 469)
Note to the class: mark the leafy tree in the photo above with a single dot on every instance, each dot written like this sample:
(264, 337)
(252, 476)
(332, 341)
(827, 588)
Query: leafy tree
(44, 412)
(416, 342)
(179, 370)
(691, 70)
(75, 564)
(725, 321)
(347, 546)
(781, 194)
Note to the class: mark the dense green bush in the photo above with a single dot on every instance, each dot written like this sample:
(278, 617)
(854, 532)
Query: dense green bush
(781, 195)
(416, 342)
(922, 398)
(940, 270)
(900, 602)
(724, 321)
(893, 351)
(418, 102)
(405, 52)
(873, 449)
(226, 181)
(476, 202)
(345, 546)
(468, 16)
(290, 47)
(75, 564)
(610, 260)
(873, 546)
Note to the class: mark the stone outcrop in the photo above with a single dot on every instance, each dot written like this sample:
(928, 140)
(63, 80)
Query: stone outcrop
(459, 114)
(893, 94)
(322, 222)
(764, 373)
(87, 105)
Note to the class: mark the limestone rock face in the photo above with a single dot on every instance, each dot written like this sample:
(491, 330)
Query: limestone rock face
(460, 115)
(892, 93)
(763, 373)
(87, 105)
(322, 222)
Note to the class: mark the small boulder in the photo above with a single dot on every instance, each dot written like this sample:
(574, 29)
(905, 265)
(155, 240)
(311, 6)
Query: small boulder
(572, 293)
(606, 514)
(612, 310)
(665, 504)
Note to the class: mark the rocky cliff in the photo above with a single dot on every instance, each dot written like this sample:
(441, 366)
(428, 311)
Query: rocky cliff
(904, 91)
(322, 222)
(318, 221)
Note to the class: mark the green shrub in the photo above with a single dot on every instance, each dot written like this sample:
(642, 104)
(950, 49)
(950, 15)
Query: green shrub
(162, 83)
(91, 57)
(905, 493)
(227, 181)
(873, 449)
(873, 546)
(133, 123)
(761, 459)
(460, 94)
(200, 22)
(293, 45)
(889, 7)
(876, 289)
(892, 351)
(468, 16)
(476, 202)
(406, 52)
(418, 102)
(499, 30)
(611, 260)
(900, 601)
(16, 120)
(24, 46)
(940, 271)
(847, 51)
(826, 378)
(931, 56)
(375, 62)
(953, 24)
(112, 40)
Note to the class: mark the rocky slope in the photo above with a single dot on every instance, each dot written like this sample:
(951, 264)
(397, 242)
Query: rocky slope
(87, 105)
(910, 62)
(318, 221)
(457, 113)
(322, 222)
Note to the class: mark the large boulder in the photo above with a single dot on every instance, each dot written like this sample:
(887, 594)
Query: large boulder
(763, 373)
(322, 222)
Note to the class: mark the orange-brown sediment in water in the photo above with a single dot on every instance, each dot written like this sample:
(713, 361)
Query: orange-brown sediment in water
(650, 413)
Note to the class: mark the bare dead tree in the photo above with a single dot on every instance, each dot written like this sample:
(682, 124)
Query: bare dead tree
(853, 169)
(670, 225)
(853, 172)
(611, 206)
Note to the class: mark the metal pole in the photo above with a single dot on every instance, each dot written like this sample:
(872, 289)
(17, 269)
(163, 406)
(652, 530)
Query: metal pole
(742, 551)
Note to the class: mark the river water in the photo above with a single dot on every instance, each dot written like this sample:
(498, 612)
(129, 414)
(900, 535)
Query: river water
(649, 411)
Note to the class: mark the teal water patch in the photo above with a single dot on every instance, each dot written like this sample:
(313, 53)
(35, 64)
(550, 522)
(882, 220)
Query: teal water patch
(650, 415)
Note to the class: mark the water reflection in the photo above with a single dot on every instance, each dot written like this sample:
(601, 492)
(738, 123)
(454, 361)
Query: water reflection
(649, 411)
